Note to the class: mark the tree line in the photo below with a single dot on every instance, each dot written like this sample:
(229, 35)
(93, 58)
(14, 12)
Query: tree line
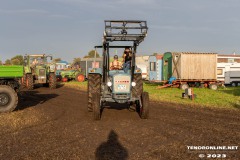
(18, 59)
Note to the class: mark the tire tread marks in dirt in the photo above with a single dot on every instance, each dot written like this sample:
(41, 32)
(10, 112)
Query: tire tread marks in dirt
(144, 111)
(13, 98)
(96, 106)
(52, 81)
(138, 89)
(94, 86)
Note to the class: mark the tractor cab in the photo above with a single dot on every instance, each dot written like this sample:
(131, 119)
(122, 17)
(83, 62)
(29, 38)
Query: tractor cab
(122, 84)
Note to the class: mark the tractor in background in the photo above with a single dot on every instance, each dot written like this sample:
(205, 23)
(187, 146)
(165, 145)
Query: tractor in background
(71, 74)
(37, 70)
(118, 86)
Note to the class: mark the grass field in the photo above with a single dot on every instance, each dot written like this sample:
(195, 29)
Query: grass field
(228, 97)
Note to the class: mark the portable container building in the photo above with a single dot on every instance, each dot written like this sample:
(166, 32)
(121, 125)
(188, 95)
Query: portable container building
(155, 68)
(190, 66)
(184, 69)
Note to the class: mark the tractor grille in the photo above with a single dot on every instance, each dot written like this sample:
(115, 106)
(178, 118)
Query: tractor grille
(121, 84)
(42, 72)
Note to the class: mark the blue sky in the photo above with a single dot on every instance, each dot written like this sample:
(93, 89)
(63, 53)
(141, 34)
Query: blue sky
(70, 28)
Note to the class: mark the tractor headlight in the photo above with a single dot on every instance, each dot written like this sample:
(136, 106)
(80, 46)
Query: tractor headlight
(109, 84)
(133, 84)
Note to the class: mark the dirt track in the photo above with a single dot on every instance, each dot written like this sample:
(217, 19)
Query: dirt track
(55, 124)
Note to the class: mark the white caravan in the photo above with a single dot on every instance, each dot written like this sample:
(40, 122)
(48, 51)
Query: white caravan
(229, 73)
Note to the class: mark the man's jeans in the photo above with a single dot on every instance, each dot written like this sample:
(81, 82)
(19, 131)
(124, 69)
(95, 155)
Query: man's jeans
(126, 66)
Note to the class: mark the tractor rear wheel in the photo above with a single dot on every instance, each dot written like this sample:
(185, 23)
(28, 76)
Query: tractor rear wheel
(94, 86)
(52, 81)
(8, 98)
(23, 82)
(138, 89)
(29, 81)
(96, 106)
(144, 110)
(79, 77)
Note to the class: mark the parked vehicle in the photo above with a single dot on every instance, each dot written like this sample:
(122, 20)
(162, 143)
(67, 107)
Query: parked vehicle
(71, 74)
(229, 73)
(10, 76)
(228, 69)
(186, 69)
(118, 86)
(38, 71)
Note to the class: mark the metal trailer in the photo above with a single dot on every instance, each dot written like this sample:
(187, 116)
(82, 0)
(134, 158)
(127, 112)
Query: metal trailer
(184, 69)
(10, 78)
(155, 68)
(142, 63)
(229, 73)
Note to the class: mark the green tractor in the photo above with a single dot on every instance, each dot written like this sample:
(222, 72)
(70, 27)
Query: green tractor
(10, 76)
(121, 86)
(72, 74)
(37, 70)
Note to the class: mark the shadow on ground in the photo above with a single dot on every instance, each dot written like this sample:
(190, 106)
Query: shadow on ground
(111, 149)
(232, 90)
(32, 98)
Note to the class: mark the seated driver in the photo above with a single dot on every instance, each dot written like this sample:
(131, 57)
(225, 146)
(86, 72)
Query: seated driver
(35, 62)
(115, 65)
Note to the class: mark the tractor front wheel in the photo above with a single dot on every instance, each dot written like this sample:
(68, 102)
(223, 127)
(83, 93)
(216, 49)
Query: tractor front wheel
(96, 107)
(29, 81)
(94, 86)
(52, 81)
(138, 89)
(8, 98)
(144, 110)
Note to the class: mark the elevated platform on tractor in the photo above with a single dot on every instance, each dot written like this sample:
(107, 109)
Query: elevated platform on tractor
(125, 30)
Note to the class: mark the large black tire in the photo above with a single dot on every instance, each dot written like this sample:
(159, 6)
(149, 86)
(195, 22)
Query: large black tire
(29, 82)
(8, 98)
(96, 106)
(138, 89)
(52, 81)
(94, 86)
(144, 110)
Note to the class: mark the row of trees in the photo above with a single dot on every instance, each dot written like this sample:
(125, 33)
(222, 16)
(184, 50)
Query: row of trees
(16, 60)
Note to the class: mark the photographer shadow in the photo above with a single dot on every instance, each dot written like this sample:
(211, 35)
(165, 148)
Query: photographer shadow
(111, 149)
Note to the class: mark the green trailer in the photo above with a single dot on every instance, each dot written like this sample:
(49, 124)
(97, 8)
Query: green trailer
(10, 76)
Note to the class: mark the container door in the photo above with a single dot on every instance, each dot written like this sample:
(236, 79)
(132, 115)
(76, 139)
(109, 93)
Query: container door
(227, 74)
(152, 71)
